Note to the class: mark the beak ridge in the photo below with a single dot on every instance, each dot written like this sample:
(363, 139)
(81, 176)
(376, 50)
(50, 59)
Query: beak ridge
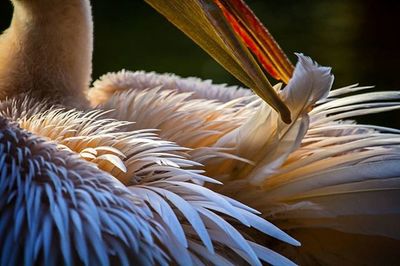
(228, 32)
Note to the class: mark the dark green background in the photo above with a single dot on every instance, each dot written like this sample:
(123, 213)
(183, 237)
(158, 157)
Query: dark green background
(359, 39)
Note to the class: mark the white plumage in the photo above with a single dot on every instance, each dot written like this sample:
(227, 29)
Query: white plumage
(320, 172)
(135, 177)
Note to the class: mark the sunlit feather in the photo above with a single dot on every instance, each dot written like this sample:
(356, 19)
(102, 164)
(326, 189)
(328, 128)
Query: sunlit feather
(136, 176)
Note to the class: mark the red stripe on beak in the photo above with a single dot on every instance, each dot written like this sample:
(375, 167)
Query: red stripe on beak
(257, 38)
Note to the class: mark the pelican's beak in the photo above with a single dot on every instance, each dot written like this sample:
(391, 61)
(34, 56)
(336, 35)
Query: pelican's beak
(230, 32)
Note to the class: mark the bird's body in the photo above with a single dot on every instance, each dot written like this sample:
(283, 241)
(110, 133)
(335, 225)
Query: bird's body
(126, 184)
(324, 178)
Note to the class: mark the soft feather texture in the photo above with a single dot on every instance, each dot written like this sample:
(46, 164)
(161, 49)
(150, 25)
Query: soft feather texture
(319, 172)
(57, 208)
(112, 83)
(44, 55)
(127, 186)
(132, 197)
(196, 224)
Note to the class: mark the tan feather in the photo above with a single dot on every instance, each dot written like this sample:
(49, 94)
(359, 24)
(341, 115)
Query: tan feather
(316, 173)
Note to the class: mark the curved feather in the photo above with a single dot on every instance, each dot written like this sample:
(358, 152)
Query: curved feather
(304, 176)
(152, 169)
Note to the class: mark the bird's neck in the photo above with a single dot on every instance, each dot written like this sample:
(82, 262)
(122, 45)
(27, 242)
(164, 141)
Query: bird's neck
(47, 51)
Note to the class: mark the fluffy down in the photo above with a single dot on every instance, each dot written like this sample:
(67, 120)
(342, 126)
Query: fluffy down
(137, 198)
(320, 176)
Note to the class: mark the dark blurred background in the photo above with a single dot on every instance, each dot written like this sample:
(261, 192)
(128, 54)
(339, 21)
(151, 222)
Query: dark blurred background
(358, 38)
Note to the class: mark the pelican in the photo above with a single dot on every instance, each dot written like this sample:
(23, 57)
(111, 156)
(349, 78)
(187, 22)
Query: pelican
(145, 168)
